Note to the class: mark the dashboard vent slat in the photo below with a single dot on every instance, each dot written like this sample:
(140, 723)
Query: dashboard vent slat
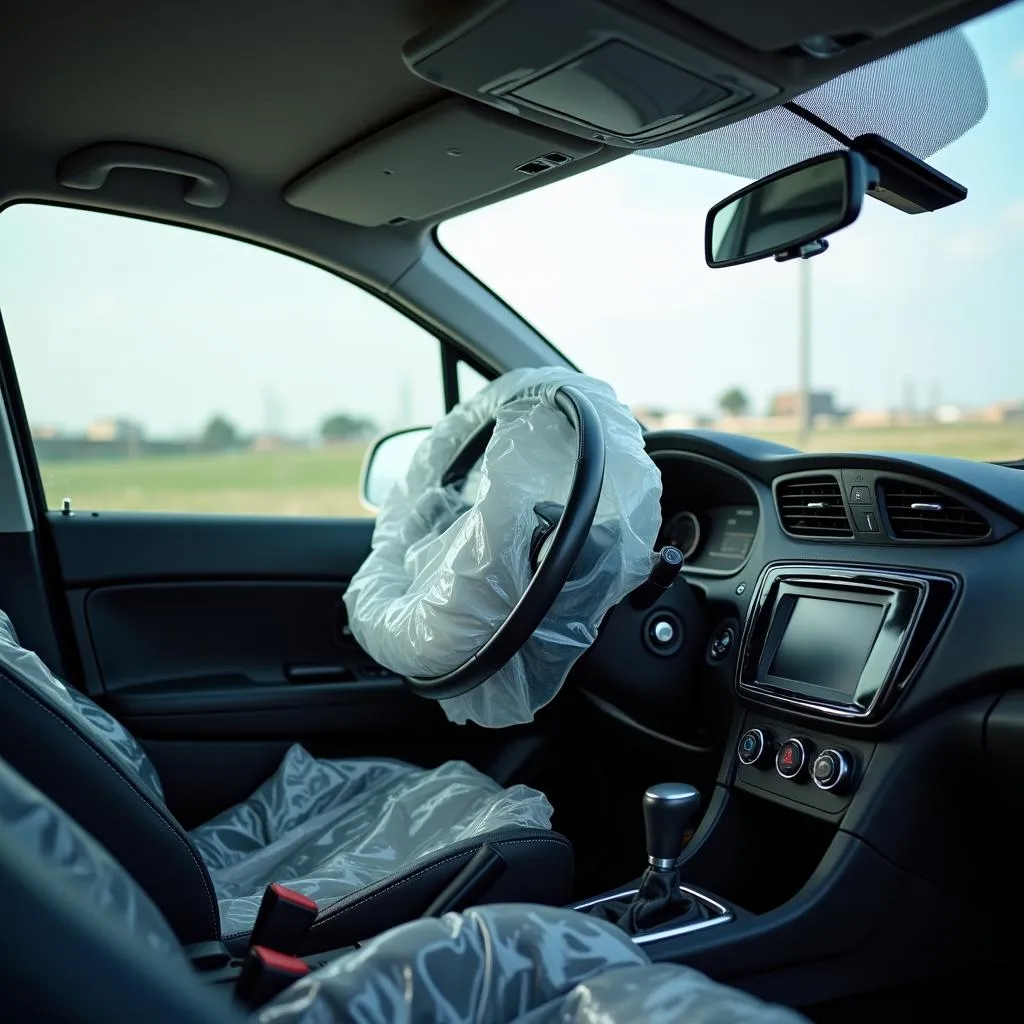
(813, 507)
(917, 512)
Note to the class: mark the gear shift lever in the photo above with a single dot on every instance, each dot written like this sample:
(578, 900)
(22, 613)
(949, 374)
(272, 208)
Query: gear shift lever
(658, 902)
(668, 808)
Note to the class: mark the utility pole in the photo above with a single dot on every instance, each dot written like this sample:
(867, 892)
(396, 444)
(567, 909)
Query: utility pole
(273, 420)
(804, 356)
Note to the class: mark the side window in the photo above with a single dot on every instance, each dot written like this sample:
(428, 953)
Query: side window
(170, 370)
(470, 381)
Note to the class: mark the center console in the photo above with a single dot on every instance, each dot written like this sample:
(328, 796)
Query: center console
(824, 858)
(802, 766)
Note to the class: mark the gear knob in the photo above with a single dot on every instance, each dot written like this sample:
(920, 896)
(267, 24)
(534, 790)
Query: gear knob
(668, 808)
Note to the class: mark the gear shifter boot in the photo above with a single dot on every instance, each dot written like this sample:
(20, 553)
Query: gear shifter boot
(658, 903)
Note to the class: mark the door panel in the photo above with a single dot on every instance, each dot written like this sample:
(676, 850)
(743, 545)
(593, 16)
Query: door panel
(258, 632)
(220, 641)
(210, 611)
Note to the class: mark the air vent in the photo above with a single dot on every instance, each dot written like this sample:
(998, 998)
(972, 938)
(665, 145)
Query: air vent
(919, 513)
(813, 507)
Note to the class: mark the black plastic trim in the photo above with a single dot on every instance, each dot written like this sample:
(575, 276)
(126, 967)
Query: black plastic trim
(225, 695)
(138, 547)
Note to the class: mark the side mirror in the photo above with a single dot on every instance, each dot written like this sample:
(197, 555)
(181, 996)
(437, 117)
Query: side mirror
(386, 462)
(789, 213)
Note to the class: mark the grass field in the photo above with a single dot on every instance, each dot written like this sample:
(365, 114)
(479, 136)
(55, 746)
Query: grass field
(289, 482)
(324, 481)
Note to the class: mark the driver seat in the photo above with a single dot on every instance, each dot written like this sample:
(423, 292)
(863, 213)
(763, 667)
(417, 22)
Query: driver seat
(372, 841)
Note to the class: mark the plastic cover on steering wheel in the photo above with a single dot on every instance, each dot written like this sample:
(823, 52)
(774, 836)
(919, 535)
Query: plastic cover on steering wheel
(447, 565)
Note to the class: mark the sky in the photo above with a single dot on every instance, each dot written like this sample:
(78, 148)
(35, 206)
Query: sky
(110, 317)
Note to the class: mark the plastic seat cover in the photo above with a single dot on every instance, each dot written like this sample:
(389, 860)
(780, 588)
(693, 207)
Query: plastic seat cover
(491, 965)
(327, 828)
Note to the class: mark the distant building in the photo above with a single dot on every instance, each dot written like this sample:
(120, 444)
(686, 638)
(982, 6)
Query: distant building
(272, 443)
(787, 404)
(1003, 412)
(124, 431)
(45, 432)
(873, 418)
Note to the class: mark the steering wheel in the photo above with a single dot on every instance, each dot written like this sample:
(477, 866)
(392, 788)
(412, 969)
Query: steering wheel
(562, 546)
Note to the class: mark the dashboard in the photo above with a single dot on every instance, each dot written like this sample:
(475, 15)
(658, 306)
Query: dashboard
(709, 512)
(840, 663)
(857, 594)
(718, 538)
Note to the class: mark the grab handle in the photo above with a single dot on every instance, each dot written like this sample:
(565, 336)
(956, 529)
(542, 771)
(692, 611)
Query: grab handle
(89, 169)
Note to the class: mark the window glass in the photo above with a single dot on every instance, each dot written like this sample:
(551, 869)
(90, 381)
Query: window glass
(904, 336)
(170, 370)
(470, 381)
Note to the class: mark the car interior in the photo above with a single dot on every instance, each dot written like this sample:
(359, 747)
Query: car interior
(274, 763)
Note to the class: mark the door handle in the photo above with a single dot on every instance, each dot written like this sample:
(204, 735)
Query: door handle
(90, 167)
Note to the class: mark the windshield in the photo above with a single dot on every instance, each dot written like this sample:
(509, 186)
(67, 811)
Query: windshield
(907, 335)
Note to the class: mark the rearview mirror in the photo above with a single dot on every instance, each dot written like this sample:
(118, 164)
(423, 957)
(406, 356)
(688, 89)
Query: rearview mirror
(386, 462)
(789, 213)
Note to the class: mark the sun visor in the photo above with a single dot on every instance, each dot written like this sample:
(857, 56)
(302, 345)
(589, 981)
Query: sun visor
(921, 98)
(425, 165)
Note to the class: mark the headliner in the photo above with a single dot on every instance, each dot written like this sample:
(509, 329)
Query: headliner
(262, 88)
(268, 90)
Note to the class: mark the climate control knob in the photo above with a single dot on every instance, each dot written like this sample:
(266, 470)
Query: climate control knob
(831, 770)
(754, 748)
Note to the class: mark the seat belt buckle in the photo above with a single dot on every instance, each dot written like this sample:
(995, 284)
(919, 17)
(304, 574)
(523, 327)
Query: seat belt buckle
(266, 973)
(283, 921)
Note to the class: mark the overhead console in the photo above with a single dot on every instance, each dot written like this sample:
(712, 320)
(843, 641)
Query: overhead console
(838, 641)
(588, 68)
(432, 162)
(633, 73)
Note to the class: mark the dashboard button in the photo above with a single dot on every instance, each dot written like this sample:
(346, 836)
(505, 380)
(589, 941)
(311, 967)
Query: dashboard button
(722, 643)
(860, 496)
(867, 522)
(790, 759)
(753, 748)
(831, 770)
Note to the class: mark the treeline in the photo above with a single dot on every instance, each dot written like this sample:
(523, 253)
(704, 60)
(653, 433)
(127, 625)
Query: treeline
(220, 434)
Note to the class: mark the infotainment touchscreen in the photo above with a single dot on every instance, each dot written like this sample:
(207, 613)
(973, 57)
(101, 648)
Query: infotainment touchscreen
(838, 640)
(826, 643)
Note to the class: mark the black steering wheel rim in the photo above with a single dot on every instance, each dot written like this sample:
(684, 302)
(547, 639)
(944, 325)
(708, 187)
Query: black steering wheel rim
(553, 573)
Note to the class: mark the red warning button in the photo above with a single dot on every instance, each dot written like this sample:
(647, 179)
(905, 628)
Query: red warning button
(790, 759)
